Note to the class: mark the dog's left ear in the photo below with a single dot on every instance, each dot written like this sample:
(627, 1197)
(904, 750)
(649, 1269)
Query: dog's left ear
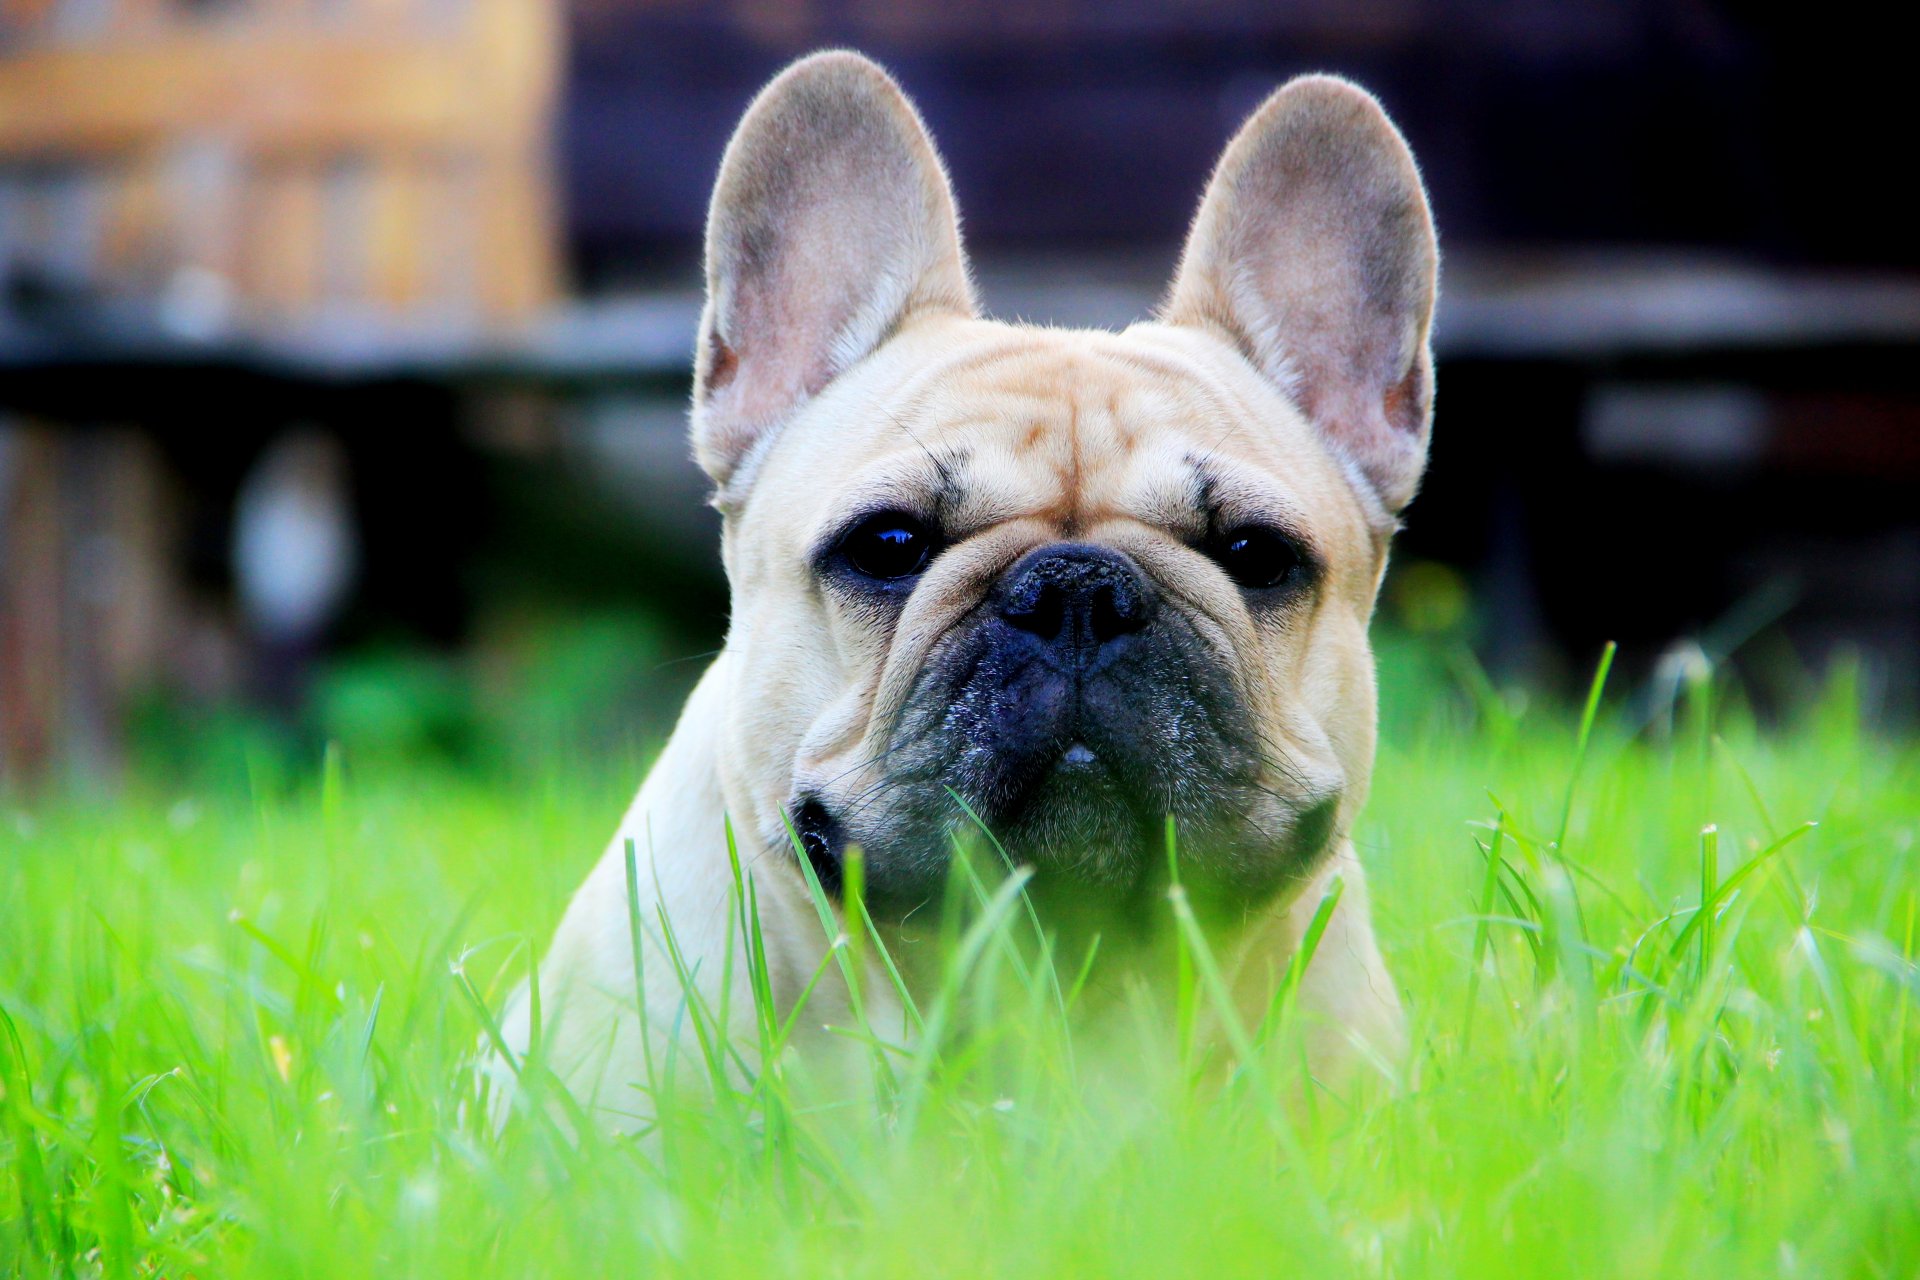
(1314, 253)
(832, 222)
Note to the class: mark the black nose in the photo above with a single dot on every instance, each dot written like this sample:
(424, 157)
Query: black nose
(1075, 597)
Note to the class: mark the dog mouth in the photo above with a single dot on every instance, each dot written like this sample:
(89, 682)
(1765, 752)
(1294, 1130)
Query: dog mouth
(1068, 797)
(1075, 724)
(1079, 821)
(1088, 854)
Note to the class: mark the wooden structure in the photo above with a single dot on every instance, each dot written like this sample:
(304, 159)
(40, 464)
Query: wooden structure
(248, 163)
(211, 173)
(222, 217)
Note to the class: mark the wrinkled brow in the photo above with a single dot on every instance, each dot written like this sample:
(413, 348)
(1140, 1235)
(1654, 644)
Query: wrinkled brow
(1230, 495)
(927, 483)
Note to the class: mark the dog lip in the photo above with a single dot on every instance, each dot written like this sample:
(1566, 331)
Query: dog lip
(821, 841)
(1313, 827)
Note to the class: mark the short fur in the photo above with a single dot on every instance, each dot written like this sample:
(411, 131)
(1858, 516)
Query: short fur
(842, 365)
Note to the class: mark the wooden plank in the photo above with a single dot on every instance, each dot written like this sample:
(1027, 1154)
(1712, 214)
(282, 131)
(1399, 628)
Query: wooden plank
(281, 237)
(397, 232)
(137, 613)
(380, 122)
(518, 268)
(205, 182)
(144, 16)
(283, 92)
(135, 238)
(30, 593)
(23, 16)
(345, 183)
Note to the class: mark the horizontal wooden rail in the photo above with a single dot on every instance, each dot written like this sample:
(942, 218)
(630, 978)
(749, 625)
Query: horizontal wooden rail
(488, 82)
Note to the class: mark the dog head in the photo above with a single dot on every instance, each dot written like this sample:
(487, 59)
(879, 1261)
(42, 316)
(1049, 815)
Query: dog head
(1067, 584)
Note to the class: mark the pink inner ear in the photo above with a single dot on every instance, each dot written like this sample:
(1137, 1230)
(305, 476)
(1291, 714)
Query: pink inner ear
(813, 273)
(1403, 401)
(791, 313)
(1313, 249)
(1352, 369)
(722, 363)
(1297, 297)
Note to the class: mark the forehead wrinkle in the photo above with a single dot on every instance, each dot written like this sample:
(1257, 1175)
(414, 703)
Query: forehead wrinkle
(1157, 364)
(1045, 392)
(986, 499)
(923, 481)
(1091, 388)
(1189, 394)
(1271, 446)
(995, 482)
(1035, 392)
(1223, 401)
(1242, 493)
(1071, 482)
(930, 380)
(1170, 492)
(1156, 483)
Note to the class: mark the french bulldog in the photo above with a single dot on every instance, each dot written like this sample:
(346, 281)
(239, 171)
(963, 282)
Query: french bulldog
(1070, 585)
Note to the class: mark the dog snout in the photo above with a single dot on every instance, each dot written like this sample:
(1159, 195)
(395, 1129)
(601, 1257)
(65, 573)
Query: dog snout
(1075, 599)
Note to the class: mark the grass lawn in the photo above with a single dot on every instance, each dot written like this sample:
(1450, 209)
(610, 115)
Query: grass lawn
(236, 1026)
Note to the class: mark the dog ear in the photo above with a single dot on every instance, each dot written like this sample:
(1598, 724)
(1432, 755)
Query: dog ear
(831, 222)
(1314, 253)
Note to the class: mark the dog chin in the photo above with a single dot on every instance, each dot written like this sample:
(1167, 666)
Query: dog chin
(1091, 845)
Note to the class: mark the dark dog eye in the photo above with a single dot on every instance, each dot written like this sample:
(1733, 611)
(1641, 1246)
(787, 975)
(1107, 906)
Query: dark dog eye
(889, 545)
(1256, 557)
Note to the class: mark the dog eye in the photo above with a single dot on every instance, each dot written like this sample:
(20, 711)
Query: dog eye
(887, 546)
(1256, 557)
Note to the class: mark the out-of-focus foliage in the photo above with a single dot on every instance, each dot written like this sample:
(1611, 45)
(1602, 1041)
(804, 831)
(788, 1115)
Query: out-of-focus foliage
(238, 1024)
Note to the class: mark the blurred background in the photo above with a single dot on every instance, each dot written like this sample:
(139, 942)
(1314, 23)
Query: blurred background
(344, 344)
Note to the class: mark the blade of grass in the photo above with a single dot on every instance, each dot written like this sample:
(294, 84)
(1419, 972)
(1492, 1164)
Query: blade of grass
(1709, 881)
(1185, 989)
(1247, 1052)
(1286, 992)
(1726, 887)
(972, 945)
(1489, 884)
(1040, 937)
(635, 941)
(1588, 714)
(830, 926)
(31, 1182)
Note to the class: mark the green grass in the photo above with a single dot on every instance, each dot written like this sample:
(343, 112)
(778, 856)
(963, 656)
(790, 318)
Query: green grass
(238, 1025)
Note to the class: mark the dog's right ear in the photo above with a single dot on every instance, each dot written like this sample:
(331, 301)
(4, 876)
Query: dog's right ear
(832, 222)
(1314, 253)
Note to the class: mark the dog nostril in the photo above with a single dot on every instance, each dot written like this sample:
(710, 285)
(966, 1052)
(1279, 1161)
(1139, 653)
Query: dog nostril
(1116, 610)
(1076, 597)
(1040, 610)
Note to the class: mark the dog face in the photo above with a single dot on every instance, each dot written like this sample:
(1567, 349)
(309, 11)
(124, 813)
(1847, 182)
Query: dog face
(1069, 585)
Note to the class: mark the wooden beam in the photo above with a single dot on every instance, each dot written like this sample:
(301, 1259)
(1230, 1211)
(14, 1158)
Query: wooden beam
(392, 162)
(285, 92)
(282, 237)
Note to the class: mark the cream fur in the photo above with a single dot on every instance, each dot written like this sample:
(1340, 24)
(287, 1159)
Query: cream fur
(1043, 433)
